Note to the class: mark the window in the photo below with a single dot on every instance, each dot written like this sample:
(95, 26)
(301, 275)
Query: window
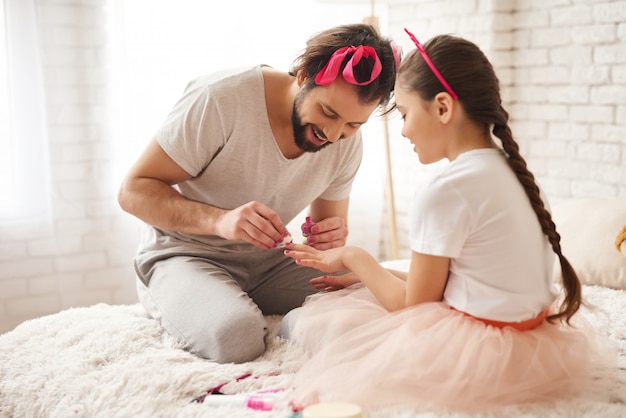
(24, 195)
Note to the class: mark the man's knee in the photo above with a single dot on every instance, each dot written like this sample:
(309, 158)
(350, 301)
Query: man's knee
(237, 340)
(288, 322)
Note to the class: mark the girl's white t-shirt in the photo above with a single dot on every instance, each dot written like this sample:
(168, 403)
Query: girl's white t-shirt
(476, 212)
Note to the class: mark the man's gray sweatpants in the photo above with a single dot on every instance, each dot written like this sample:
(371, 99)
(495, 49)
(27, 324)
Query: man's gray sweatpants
(215, 307)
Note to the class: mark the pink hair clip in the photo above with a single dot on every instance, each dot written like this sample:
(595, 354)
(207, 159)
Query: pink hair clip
(329, 73)
(434, 69)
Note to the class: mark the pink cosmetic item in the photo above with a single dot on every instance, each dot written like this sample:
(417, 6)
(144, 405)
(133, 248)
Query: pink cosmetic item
(260, 401)
(306, 226)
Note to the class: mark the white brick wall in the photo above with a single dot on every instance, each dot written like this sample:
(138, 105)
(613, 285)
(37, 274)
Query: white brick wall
(86, 258)
(564, 85)
(562, 65)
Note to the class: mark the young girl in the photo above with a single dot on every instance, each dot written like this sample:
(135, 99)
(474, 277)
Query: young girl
(476, 322)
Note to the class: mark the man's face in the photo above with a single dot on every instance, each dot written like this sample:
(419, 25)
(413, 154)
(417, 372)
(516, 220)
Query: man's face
(325, 114)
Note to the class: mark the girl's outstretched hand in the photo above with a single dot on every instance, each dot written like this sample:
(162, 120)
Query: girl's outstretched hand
(331, 283)
(328, 261)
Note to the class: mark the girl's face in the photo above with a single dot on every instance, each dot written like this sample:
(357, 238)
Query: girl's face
(421, 125)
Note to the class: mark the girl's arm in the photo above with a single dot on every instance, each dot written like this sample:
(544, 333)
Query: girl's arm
(425, 280)
(399, 274)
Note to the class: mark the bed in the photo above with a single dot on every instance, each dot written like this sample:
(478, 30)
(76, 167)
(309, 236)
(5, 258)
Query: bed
(114, 361)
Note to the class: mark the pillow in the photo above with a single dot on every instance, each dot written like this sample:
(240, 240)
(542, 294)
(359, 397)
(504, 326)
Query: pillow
(590, 232)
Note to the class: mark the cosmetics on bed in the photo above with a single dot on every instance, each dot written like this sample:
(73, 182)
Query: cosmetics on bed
(259, 401)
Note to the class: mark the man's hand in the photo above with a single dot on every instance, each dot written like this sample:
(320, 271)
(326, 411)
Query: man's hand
(254, 223)
(328, 233)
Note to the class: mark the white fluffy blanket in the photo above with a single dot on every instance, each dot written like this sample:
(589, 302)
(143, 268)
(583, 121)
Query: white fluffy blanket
(113, 361)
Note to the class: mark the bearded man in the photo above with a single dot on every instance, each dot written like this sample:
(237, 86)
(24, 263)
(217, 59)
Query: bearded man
(238, 157)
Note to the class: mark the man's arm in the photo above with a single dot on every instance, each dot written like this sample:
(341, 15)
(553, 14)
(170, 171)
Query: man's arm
(147, 193)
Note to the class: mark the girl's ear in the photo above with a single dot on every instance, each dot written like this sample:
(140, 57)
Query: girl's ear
(445, 106)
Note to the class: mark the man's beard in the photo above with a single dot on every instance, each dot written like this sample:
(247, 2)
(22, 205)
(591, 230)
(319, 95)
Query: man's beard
(299, 130)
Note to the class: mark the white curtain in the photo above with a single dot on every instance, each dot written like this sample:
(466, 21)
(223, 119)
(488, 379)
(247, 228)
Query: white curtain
(24, 195)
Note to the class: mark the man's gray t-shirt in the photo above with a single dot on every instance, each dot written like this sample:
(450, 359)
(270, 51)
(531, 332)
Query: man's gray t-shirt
(219, 133)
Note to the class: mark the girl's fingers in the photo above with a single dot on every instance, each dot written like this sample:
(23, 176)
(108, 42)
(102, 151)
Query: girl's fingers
(307, 249)
(323, 282)
(309, 263)
(300, 256)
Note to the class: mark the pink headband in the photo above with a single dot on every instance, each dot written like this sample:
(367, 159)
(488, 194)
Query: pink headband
(329, 73)
(434, 69)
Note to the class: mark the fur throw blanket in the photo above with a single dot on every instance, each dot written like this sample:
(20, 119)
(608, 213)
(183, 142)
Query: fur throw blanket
(114, 361)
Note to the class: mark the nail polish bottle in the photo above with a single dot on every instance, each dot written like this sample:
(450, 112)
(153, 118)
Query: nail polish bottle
(306, 226)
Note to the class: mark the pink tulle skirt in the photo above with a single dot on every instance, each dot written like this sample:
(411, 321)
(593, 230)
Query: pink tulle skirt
(431, 355)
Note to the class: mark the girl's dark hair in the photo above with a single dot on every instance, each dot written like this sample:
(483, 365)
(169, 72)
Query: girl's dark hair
(468, 71)
(321, 46)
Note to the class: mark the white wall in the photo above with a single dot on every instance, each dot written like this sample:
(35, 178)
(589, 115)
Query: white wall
(562, 67)
(86, 257)
(562, 63)
(103, 105)
(167, 43)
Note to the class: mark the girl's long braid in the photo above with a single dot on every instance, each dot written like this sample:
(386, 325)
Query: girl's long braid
(468, 70)
(571, 284)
